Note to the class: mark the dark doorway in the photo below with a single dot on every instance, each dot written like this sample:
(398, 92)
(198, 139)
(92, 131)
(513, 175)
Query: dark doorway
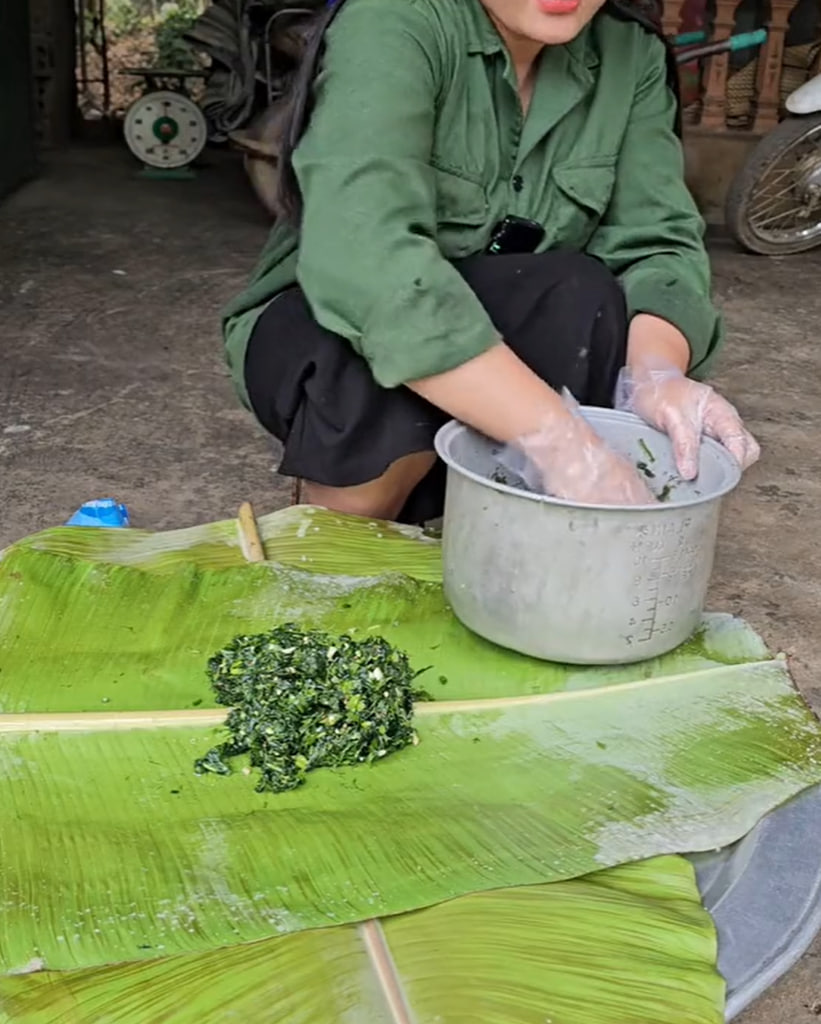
(18, 151)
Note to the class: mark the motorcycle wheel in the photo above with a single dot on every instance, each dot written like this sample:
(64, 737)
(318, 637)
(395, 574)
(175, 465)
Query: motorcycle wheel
(773, 207)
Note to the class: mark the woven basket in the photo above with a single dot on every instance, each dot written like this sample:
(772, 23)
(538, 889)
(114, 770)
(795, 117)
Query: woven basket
(798, 65)
(741, 94)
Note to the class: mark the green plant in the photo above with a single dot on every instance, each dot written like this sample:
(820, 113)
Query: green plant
(124, 18)
(174, 19)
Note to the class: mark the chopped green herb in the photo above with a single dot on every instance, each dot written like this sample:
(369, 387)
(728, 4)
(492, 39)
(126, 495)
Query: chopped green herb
(665, 492)
(498, 476)
(642, 467)
(303, 699)
(643, 445)
(212, 763)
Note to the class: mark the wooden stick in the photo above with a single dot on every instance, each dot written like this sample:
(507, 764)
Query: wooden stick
(252, 547)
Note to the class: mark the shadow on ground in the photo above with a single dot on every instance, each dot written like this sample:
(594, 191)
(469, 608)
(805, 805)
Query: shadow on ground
(112, 384)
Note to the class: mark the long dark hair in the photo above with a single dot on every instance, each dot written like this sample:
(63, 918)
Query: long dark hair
(289, 198)
(300, 105)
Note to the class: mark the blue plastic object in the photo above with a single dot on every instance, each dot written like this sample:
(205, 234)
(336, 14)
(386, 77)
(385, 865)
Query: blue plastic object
(101, 512)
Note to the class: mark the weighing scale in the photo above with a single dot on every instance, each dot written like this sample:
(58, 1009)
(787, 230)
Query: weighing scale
(164, 128)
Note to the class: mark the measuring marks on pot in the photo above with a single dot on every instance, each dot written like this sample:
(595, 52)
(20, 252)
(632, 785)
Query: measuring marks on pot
(664, 560)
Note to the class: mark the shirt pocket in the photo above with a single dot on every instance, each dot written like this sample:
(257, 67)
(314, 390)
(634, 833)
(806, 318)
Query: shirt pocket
(461, 214)
(583, 193)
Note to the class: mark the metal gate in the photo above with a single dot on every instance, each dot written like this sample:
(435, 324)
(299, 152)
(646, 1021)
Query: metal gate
(17, 131)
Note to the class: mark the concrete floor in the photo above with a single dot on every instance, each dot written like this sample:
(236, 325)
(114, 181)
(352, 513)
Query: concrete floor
(112, 384)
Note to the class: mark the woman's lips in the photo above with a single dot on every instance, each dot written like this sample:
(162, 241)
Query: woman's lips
(558, 6)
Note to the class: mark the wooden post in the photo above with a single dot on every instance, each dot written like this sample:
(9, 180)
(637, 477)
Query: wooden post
(714, 114)
(770, 64)
(671, 17)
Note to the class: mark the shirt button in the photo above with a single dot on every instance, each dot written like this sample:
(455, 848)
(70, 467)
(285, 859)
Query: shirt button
(518, 183)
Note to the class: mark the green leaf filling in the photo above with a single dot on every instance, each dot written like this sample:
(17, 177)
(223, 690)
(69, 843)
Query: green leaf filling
(304, 699)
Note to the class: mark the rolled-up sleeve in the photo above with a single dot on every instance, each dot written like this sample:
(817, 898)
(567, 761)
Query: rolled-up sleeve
(652, 234)
(368, 263)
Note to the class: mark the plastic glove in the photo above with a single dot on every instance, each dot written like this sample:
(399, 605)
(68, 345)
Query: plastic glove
(685, 409)
(567, 459)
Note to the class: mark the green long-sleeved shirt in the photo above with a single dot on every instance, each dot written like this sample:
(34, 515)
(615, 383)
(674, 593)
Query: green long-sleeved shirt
(417, 147)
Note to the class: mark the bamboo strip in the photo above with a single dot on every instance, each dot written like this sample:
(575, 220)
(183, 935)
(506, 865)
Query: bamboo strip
(252, 546)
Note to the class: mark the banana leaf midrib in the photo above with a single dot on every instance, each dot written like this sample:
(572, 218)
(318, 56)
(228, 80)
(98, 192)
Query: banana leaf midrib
(82, 721)
(373, 938)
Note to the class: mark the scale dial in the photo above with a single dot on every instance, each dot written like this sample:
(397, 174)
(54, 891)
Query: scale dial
(165, 129)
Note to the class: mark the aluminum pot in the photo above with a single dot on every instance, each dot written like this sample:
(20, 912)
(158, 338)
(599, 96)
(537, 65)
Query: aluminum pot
(582, 584)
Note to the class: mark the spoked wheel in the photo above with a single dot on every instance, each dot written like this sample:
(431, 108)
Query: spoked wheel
(774, 204)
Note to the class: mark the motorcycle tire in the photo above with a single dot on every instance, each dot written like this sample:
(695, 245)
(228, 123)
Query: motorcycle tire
(742, 191)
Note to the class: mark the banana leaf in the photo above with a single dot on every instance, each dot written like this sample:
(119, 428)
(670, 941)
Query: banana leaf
(131, 617)
(498, 793)
(630, 945)
(527, 773)
(301, 537)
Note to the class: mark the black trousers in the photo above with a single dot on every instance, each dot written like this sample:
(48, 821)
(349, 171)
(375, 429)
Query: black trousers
(563, 313)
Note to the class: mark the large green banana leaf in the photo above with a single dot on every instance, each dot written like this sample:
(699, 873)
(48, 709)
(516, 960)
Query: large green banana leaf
(302, 537)
(498, 793)
(630, 945)
(130, 620)
(545, 773)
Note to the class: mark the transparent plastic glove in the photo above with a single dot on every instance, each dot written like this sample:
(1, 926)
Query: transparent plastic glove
(685, 410)
(567, 459)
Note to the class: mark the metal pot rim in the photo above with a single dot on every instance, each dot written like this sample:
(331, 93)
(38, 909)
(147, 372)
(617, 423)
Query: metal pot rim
(446, 434)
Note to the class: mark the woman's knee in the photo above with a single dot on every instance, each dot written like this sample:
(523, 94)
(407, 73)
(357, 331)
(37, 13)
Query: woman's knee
(382, 498)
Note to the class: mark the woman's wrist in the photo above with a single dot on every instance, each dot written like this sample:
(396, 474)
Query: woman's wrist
(497, 394)
(559, 433)
(655, 344)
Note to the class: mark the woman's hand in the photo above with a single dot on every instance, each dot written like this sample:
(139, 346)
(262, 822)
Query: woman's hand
(547, 441)
(655, 386)
(567, 459)
(685, 410)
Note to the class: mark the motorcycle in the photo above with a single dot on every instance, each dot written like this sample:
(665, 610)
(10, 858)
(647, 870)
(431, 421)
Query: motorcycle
(773, 206)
